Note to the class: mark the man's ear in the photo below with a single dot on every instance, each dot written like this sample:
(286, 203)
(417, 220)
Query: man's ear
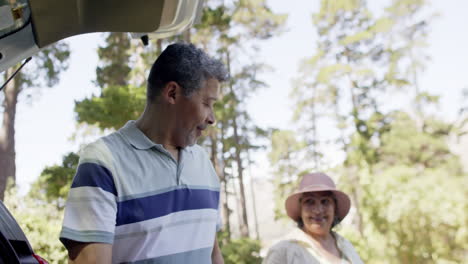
(170, 92)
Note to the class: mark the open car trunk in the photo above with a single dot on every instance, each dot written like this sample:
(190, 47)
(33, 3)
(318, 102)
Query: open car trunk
(27, 26)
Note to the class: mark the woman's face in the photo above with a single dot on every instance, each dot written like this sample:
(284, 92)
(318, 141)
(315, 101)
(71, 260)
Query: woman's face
(317, 212)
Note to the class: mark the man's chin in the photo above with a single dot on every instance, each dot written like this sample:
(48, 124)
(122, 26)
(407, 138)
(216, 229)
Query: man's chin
(192, 142)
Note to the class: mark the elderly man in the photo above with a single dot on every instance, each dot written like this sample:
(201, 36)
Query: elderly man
(147, 193)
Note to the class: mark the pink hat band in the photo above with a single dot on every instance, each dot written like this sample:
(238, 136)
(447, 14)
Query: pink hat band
(318, 187)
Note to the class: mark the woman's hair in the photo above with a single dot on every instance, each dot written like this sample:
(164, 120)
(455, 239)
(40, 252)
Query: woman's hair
(336, 220)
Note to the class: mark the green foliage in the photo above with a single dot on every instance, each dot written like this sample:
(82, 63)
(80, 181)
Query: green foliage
(114, 59)
(233, 36)
(48, 64)
(360, 36)
(285, 157)
(239, 251)
(330, 8)
(407, 187)
(113, 108)
(44, 70)
(118, 101)
(54, 181)
(412, 200)
(417, 216)
(216, 17)
(404, 144)
(382, 25)
(41, 222)
(263, 25)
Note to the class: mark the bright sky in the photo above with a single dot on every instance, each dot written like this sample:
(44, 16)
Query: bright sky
(44, 128)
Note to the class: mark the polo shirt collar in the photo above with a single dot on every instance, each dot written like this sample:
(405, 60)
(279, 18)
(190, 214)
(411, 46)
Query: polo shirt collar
(139, 140)
(136, 137)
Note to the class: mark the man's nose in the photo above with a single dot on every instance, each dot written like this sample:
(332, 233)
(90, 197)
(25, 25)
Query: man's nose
(211, 120)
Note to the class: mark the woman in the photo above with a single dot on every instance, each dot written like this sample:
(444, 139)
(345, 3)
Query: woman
(316, 206)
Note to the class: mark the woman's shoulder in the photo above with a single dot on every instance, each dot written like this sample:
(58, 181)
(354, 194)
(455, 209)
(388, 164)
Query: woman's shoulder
(285, 244)
(347, 248)
(342, 240)
(283, 252)
(295, 238)
(339, 237)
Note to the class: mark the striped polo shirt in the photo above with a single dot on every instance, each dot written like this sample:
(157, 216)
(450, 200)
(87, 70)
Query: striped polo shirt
(130, 192)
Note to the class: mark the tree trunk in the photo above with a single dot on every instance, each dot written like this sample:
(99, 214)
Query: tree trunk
(226, 210)
(354, 176)
(315, 151)
(7, 133)
(254, 204)
(244, 224)
(222, 176)
(355, 200)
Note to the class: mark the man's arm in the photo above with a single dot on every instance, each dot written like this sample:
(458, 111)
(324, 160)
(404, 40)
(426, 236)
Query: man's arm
(216, 256)
(88, 252)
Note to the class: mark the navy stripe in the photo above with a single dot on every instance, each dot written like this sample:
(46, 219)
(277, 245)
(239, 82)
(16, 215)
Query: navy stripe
(94, 175)
(141, 209)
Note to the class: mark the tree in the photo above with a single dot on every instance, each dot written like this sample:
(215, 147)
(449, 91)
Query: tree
(46, 70)
(41, 222)
(360, 59)
(240, 251)
(406, 195)
(119, 101)
(54, 182)
(236, 27)
(398, 169)
(286, 157)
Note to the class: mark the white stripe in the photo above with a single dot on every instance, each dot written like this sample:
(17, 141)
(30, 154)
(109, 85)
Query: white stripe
(98, 152)
(128, 229)
(176, 233)
(90, 208)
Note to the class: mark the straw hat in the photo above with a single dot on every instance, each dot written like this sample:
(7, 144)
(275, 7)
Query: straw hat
(316, 182)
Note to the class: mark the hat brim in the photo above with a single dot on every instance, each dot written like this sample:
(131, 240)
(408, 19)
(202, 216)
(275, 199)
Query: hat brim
(293, 208)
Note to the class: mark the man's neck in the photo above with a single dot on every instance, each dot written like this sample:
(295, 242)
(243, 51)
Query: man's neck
(157, 130)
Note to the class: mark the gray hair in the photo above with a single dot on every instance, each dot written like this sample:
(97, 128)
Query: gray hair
(186, 65)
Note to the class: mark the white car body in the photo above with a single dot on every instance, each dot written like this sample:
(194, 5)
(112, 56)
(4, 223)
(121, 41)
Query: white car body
(29, 26)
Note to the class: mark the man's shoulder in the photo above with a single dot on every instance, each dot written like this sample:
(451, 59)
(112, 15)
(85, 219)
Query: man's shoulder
(96, 146)
(110, 143)
(114, 137)
(99, 150)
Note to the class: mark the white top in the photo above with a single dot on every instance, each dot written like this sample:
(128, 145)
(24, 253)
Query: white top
(298, 248)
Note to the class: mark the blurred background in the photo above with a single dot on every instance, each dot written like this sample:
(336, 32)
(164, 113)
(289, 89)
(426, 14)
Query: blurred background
(374, 93)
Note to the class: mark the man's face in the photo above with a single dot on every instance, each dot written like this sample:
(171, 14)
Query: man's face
(317, 212)
(195, 113)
